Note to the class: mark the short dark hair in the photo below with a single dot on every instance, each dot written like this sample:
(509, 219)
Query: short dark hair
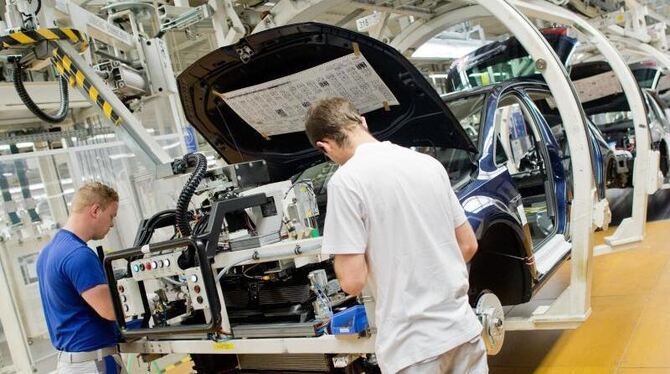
(331, 118)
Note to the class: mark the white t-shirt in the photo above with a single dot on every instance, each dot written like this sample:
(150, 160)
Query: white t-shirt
(397, 206)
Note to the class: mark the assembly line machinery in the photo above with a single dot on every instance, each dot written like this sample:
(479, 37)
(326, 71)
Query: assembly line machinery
(258, 284)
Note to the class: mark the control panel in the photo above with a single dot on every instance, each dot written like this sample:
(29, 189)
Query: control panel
(196, 289)
(131, 299)
(156, 267)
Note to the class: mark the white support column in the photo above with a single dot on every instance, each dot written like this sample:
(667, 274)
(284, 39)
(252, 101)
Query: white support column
(575, 302)
(631, 229)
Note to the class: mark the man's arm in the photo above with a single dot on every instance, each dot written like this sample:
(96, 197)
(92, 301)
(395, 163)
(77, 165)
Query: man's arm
(467, 241)
(100, 300)
(352, 271)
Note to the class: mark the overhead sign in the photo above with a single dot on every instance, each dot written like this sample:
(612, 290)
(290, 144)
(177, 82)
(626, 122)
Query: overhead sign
(365, 23)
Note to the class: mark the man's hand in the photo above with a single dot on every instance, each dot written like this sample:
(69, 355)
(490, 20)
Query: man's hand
(467, 241)
(352, 271)
(100, 300)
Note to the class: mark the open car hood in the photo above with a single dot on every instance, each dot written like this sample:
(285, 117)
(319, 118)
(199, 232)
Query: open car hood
(249, 99)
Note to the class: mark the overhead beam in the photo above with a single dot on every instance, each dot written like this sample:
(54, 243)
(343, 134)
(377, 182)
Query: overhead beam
(422, 30)
(293, 11)
(394, 10)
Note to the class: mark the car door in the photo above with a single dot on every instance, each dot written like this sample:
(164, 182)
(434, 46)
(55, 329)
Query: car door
(525, 147)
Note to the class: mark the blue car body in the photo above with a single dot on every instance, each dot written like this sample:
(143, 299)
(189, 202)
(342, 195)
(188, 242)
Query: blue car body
(492, 200)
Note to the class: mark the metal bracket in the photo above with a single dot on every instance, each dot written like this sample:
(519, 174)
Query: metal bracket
(131, 130)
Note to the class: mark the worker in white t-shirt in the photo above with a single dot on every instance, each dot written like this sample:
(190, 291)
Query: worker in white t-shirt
(394, 221)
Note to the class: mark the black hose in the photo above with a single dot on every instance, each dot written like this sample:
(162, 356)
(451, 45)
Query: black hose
(30, 104)
(200, 162)
(160, 219)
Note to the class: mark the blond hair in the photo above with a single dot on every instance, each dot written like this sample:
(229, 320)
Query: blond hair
(331, 118)
(93, 193)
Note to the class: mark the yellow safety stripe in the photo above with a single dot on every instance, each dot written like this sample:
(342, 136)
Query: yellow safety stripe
(22, 38)
(80, 79)
(93, 93)
(70, 34)
(48, 34)
(75, 76)
(27, 38)
(59, 68)
(67, 63)
(107, 109)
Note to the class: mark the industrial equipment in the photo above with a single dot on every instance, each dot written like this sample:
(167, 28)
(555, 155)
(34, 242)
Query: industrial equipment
(245, 262)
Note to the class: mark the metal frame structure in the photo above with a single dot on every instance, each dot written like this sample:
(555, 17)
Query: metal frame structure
(573, 305)
(645, 171)
(128, 127)
(637, 37)
(645, 174)
(568, 311)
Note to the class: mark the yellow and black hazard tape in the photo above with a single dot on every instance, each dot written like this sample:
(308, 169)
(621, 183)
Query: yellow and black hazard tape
(26, 38)
(65, 66)
(63, 63)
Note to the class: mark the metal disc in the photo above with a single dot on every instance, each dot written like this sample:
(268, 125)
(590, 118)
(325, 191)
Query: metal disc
(491, 315)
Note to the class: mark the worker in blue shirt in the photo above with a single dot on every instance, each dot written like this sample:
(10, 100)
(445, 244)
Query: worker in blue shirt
(75, 295)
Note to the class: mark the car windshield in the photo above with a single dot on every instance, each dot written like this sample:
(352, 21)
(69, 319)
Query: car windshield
(505, 60)
(479, 75)
(469, 110)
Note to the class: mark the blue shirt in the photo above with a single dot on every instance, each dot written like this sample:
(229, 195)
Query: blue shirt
(66, 268)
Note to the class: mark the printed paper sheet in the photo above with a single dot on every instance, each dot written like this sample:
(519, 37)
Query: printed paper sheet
(279, 106)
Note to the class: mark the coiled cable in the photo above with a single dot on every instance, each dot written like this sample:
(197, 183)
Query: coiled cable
(30, 104)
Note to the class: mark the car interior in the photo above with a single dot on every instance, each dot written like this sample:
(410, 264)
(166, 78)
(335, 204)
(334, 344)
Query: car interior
(519, 149)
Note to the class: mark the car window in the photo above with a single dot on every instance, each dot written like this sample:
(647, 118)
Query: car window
(469, 112)
(478, 76)
(515, 143)
(646, 77)
(607, 118)
(457, 162)
(546, 105)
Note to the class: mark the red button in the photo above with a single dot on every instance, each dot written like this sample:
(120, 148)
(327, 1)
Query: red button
(147, 266)
(196, 288)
